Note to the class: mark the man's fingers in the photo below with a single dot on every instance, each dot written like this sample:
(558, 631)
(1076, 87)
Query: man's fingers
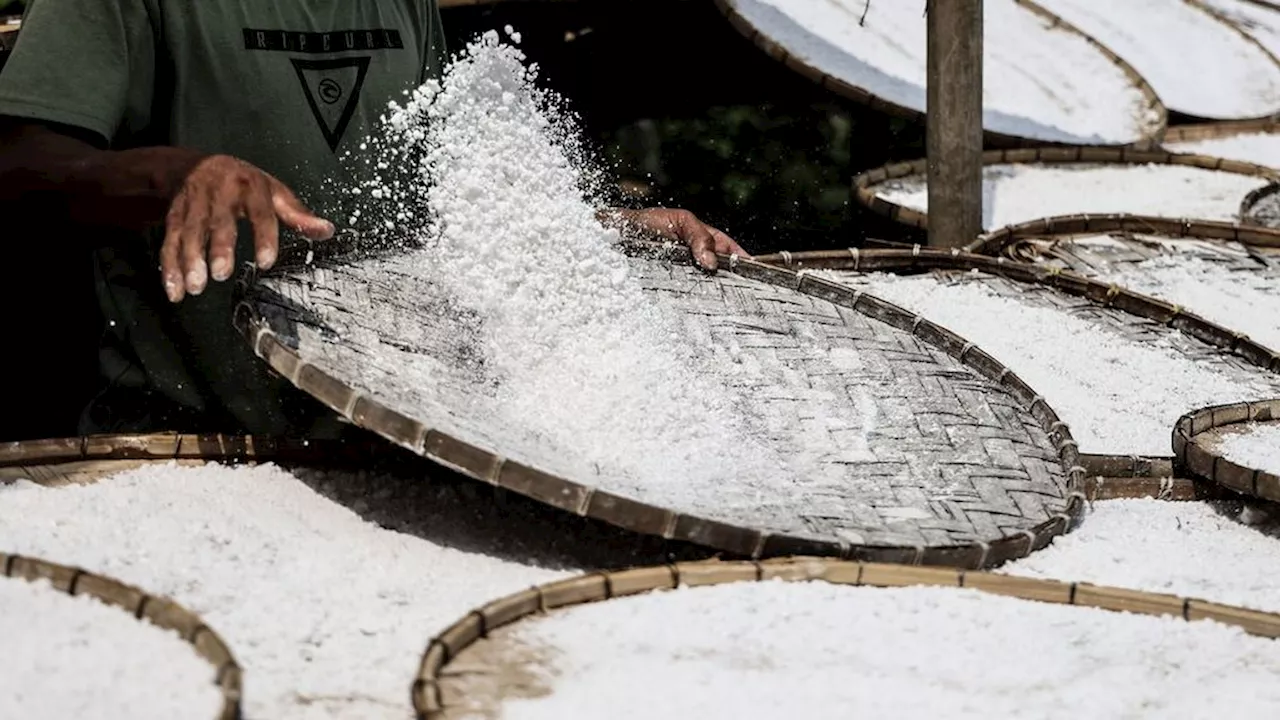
(293, 213)
(699, 238)
(170, 262)
(260, 210)
(195, 233)
(726, 245)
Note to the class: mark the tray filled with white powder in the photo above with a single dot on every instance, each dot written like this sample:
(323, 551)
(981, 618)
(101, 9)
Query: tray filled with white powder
(82, 645)
(1044, 81)
(831, 639)
(1119, 367)
(519, 341)
(1023, 185)
(1251, 141)
(1200, 64)
(1235, 445)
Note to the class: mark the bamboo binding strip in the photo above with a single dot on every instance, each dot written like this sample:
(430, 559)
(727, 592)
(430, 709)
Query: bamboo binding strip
(865, 183)
(1200, 459)
(860, 95)
(489, 467)
(998, 241)
(158, 611)
(432, 697)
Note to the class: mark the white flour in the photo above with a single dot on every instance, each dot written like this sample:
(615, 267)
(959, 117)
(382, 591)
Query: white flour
(1017, 193)
(1262, 24)
(74, 657)
(1262, 148)
(1179, 548)
(327, 613)
(1039, 81)
(1255, 446)
(1247, 302)
(1103, 385)
(1197, 64)
(818, 650)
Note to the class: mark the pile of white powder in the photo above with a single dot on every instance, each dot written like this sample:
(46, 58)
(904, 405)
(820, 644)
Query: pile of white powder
(328, 614)
(1260, 148)
(1197, 64)
(1258, 22)
(1255, 446)
(1014, 194)
(75, 657)
(1039, 81)
(1190, 549)
(818, 650)
(1119, 396)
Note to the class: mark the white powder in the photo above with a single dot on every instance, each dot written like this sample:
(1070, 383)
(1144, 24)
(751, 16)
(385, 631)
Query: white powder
(74, 657)
(1180, 548)
(327, 613)
(1254, 445)
(1118, 396)
(1039, 81)
(1262, 24)
(1017, 193)
(819, 650)
(1247, 302)
(1261, 148)
(1197, 64)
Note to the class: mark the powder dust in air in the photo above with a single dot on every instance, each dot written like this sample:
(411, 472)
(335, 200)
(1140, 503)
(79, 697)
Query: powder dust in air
(483, 178)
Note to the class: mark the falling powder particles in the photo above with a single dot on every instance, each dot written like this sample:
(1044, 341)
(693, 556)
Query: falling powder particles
(327, 613)
(1039, 80)
(1189, 549)
(778, 649)
(1253, 445)
(75, 657)
(1014, 194)
(1197, 64)
(1247, 302)
(1101, 383)
(1259, 148)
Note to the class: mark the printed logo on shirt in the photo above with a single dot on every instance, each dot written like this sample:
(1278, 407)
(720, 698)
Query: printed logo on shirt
(332, 89)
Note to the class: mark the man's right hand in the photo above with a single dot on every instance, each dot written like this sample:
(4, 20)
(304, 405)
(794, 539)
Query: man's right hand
(200, 227)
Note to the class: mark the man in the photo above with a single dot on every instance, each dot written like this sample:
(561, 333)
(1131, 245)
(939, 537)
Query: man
(183, 134)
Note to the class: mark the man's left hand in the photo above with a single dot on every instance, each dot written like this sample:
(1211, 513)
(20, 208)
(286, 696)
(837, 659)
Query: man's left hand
(703, 240)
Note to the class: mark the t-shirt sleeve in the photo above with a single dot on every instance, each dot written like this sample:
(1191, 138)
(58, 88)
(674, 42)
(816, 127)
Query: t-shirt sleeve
(85, 63)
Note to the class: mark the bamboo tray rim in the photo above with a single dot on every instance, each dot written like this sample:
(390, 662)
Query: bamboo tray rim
(489, 467)
(163, 446)
(1194, 458)
(1149, 138)
(864, 183)
(995, 241)
(429, 704)
(159, 611)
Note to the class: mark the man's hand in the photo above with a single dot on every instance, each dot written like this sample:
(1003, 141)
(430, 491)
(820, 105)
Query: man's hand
(201, 223)
(681, 225)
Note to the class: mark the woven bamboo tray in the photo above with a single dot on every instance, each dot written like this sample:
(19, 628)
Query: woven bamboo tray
(1133, 315)
(460, 670)
(1013, 240)
(1195, 441)
(861, 95)
(1011, 493)
(865, 184)
(159, 611)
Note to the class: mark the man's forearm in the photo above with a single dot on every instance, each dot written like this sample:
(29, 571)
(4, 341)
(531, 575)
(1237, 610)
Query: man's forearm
(44, 174)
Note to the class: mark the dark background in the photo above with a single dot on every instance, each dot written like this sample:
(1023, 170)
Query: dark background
(684, 110)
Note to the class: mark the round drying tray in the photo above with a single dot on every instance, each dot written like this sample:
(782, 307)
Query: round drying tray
(1230, 182)
(1012, 240)
(967, 466)
(456, 672)
(1127, 314)
(159, 611)
(1198, 435)
(824, 56)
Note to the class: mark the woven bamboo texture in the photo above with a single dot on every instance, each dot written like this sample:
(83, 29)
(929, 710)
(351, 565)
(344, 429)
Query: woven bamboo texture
(158, 611)
(450, 684)
(1195, 446)
(865, 184)
(941, 404)
(860, 95)
(1132, 315)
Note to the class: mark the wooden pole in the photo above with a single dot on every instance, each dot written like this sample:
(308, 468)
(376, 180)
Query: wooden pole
(954, 121)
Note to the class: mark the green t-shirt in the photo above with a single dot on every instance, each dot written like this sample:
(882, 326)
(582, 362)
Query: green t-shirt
(292, 86)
